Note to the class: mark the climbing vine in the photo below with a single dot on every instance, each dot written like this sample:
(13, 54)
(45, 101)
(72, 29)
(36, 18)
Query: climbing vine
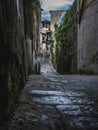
(65, 49)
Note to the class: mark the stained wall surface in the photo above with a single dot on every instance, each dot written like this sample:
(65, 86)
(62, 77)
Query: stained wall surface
(87, 47)
(16, 56)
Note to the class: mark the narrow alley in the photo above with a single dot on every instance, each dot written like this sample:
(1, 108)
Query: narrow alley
(48, 65)
(57, 102)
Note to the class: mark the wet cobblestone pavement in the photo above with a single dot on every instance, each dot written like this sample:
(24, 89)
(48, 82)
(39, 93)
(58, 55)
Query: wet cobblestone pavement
(57, 102)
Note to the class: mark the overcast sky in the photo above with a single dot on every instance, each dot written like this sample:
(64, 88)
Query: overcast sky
(52, 4)
(48, 5)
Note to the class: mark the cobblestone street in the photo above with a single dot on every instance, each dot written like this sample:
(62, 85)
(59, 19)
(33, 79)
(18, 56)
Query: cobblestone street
(57, 102)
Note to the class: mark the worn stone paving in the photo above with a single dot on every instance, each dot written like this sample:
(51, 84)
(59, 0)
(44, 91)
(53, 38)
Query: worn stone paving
(57, 102)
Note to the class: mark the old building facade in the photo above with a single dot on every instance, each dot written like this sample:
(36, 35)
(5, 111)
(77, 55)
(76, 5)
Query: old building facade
(87, 46)
(44, 36)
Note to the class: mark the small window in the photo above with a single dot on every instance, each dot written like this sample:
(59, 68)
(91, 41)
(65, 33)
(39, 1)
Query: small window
(46, 25)
(42, 24)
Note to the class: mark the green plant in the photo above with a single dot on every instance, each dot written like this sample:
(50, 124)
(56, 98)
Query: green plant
(66, 36)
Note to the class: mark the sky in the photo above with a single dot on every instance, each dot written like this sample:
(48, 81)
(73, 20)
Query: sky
(48, 5)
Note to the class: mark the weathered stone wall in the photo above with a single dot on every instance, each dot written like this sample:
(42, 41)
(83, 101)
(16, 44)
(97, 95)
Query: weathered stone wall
(28, 25)
(32, 19)
(15, 52)
(88, 37)
(36, 14)
(11, 52)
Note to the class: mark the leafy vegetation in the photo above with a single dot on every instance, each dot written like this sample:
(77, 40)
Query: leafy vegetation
(65, 49)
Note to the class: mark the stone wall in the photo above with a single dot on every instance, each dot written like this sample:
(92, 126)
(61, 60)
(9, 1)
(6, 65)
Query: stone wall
(15, 51)
(28, 25)
(36, 14)
(11, 53)
(88, 37)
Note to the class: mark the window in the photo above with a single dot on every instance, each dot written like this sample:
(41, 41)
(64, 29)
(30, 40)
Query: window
(46, 25)
(42, 24)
